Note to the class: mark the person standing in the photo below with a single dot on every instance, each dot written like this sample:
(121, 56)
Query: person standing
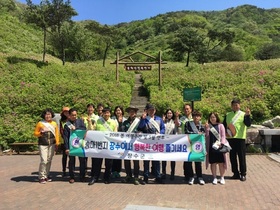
(64, 117)
(90, 122)
(194, 127)
(119, 118)
(236, 123)
(180, 123)
(150, 123)
(48, 136)
(104, 123)
(74, 124)
(130, 126)
(215, 131)
(170, 128)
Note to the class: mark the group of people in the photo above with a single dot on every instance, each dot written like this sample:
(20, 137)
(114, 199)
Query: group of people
(231, 132)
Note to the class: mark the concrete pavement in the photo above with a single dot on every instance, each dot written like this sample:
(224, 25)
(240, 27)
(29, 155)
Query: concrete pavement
(20, 189)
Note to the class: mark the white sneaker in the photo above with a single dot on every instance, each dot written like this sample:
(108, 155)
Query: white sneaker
(201, 181)
(215, 181)
(222, 181)
(191, 180)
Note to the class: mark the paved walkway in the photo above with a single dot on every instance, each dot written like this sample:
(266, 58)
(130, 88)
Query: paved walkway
(19, 189)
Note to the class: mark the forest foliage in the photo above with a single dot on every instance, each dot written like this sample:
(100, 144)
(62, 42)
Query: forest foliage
(235, 53)
(242, 33)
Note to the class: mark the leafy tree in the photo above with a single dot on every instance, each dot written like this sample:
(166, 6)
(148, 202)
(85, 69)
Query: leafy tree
(107, 34)
(60, 12)
(74, 41)
(38, 15)
(232, 53)
(186, 41)
(268, 51)
(7, 5)
(51, 15)
(217, 38)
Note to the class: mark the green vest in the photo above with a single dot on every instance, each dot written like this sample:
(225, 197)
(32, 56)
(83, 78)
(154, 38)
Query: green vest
(101, 127)
(92, 117)
(183, 121)
(239, 125)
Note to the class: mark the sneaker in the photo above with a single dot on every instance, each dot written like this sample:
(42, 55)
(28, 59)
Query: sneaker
(222, 181)
(136, 181)
(42, 181)
(71, 181)
(146, 180)
(201, 181)
(49, 179)
(191, 180)
(215, 181)
(141, 181)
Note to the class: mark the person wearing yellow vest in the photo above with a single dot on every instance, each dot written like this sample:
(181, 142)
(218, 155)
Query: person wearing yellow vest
(90, 122)
(48, 137)
(104, 123)
(90, 118)
(236, 123)
(180, 123)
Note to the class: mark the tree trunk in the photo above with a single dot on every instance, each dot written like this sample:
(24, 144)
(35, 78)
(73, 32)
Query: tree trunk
(105, 54)
(188, 59)
(44, 50)
(63, 56)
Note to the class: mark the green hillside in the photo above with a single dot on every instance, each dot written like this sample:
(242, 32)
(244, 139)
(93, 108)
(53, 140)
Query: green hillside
(256, 83)
(15, 34)
(29, 85)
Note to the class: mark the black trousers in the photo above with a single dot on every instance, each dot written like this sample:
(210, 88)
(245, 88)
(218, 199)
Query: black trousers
(127, 166)
(172, 163)
(188, 169)
(156, 168)
(117, 165)
(96, 168)
(238, 149)
(72, 166)
(64, 158)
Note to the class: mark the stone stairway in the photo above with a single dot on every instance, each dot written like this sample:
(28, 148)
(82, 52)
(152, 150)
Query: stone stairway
(139, 95)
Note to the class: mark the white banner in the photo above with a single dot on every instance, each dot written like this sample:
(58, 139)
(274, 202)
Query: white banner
(138, 146)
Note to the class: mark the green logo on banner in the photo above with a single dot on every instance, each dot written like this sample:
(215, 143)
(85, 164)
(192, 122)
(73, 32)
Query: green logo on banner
(77, 143)
(197, 148)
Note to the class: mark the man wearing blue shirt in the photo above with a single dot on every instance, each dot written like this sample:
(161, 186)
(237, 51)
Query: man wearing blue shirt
(150, 123)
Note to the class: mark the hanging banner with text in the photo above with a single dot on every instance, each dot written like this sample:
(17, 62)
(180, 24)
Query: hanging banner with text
(137, 146)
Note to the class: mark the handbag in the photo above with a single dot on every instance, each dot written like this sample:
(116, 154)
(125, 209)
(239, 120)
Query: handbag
(223, 149)
(218, 146)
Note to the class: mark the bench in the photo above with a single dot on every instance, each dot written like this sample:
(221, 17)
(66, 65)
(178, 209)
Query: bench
(17, 145)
